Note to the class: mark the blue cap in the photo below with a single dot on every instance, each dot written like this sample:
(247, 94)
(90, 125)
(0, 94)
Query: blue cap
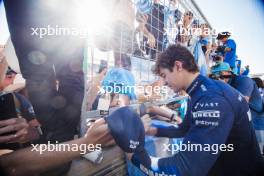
(222, 35)
(221, 66)
(127, 129)
(119, 80)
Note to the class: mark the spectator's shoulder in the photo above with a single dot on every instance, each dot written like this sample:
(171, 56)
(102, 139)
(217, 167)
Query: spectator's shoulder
(244, 79)
(231, 41)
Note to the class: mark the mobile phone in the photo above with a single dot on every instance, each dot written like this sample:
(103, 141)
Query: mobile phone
(7, 108)
(102, 66)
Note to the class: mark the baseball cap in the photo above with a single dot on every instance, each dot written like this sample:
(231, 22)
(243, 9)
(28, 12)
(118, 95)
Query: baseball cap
(102, 66)
(119, 80)
(127, 129)
(10, 71)
(222, 35)
(222, 66)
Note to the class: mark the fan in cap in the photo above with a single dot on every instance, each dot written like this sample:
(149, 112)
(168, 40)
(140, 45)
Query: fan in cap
(120, 81)
(220, 67)
(221, 71)
(222, 35)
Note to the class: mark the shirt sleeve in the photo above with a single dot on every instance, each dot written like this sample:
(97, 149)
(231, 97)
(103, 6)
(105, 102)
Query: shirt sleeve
(231, 44)
(173, 131)
(245, 86)
(26, 108)
(212, 120)
(176, 131)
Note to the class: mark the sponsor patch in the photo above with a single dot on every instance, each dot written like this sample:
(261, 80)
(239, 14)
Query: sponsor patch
(205, 105)
(207, 113)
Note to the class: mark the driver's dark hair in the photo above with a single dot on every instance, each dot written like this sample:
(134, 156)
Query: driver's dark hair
(173, 53)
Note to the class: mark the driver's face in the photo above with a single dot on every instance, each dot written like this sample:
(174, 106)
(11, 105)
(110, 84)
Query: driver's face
(172, 79)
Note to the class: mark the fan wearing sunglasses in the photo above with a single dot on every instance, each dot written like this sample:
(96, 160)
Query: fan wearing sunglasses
(243, 84)
(9, 78)
(183, 37)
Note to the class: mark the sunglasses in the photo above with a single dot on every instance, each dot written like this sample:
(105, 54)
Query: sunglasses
(217, 77)
(188, 14)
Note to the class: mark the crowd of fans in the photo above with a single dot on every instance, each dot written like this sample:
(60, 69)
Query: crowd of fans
(48, 107)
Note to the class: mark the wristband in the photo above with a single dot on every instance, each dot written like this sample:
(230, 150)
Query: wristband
(142, 110)
(172, 117)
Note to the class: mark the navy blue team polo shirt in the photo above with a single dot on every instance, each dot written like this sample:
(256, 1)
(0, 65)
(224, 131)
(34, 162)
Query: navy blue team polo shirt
(217, 114)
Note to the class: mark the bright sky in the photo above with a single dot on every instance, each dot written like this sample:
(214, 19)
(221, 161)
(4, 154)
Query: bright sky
(245, 19)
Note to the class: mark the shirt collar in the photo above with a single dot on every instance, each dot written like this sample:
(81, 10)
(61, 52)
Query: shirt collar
(196, 83)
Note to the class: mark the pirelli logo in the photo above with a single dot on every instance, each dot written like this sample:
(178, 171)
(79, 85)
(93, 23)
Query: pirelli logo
(207, 113)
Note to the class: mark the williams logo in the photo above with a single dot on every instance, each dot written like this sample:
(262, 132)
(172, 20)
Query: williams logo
(133, 144)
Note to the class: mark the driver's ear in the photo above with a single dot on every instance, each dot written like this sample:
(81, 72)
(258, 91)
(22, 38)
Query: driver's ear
(178, 65)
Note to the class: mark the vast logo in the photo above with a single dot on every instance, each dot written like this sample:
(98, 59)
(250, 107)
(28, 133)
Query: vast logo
(205, 105)
(207, 113)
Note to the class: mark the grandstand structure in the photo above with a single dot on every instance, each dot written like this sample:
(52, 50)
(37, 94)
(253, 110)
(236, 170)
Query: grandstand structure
(94, 55)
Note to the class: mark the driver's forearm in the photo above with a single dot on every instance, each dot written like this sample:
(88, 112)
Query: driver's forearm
(26, 161)
(159, 111)
(169, 131)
